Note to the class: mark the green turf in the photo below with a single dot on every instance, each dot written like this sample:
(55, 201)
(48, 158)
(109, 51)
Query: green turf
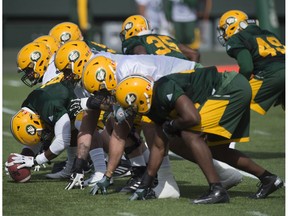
(42, 197)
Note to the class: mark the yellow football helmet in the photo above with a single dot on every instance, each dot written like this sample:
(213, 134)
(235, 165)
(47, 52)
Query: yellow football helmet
(135, 91)
(33, 59)
(231, 23)
(99, 74)
(50, 41)
(133, 26)
(26, 127)
(71, 58)
(66, 31)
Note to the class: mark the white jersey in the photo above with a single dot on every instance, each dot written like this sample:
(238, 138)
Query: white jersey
(51, 71)
(154, 66)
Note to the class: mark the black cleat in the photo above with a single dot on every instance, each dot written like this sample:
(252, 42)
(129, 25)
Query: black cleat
(216, 194)
(135, 180)
(123, 169)
(267, 186)
(131, 185)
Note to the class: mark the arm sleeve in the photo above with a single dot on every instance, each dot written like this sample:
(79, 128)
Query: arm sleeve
(245, 63)
(62, 130)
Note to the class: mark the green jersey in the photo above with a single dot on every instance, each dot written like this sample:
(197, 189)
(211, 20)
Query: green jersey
(96, 47)
(154, 44)
(267, 52)
(51, 102)
(197, 85)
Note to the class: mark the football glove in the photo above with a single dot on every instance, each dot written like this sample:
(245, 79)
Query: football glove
(76, 180)
(121, 114)
(169, 130)
(78, 105)
(6, 167)
(102, 185)
(37, 167)
(143, 194)
(26, 161)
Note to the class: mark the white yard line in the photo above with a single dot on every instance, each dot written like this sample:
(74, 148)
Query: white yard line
(256, 213)
(13, 83)
(261, 133)
(6, 133)
(126, 214)
(8, 111)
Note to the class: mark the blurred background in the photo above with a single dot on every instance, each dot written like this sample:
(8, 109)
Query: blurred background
(100, 21)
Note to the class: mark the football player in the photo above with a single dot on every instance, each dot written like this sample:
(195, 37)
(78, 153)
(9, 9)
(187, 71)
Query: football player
(138, 38)
(44, 121)
(260, 55)
(182, 108)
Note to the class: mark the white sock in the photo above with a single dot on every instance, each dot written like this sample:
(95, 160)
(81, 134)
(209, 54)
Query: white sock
(138, 161)
(164, 170)
(98, 159)
(167, 186)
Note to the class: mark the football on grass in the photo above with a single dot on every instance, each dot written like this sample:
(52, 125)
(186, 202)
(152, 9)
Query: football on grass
(18, 175)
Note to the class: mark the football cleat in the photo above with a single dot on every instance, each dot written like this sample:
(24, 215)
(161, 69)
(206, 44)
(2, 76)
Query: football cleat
(267, 186)
(216, 194)
(57, 167)
(123, 169)
(135, 180)
(63, 174)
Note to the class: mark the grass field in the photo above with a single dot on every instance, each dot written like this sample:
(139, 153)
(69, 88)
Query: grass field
(42, 197)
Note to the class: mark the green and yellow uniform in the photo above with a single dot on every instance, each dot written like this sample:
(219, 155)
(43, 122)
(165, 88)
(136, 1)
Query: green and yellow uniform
(154, 44)
(267, 66)
(51, 101)
(222, 100)
(96, 47)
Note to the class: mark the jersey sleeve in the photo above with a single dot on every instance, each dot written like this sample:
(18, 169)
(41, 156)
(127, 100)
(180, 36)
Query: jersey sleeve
(167, 92)
(234, 45)
(130, 44)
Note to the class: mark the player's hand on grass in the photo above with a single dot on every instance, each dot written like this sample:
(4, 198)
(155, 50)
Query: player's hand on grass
(101, 186)
(76, 180)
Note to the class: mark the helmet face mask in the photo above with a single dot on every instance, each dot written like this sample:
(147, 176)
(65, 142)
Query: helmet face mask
(29, 78)
(33, 59)
(99, 74)
(133, 26)
(27, 127)
(135, 91)
(231, 23)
